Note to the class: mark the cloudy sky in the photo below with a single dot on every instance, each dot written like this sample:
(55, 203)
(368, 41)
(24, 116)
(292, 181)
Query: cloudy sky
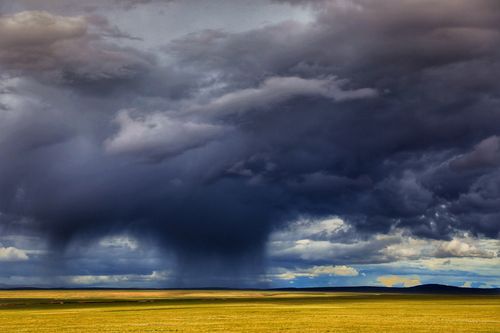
(263, 143)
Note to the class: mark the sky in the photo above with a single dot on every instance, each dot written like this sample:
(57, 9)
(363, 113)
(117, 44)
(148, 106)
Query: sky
(265, 143)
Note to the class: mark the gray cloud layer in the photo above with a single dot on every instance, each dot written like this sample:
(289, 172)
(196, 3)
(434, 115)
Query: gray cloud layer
(383, 113)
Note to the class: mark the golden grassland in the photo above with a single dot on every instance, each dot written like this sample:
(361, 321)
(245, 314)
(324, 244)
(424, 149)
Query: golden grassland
(243, 311)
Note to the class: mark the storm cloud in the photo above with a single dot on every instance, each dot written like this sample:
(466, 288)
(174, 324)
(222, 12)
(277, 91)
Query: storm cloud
(383, 114)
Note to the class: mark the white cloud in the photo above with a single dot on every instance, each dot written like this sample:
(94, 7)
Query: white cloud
(327, 239)
(316, 271)
(463, 248)
(407, 248)
(395, 280)
(12, 254)
(459, 267)
(334, 270)
(334, 239)
(275, 90)
(157, 135)
(479, 266)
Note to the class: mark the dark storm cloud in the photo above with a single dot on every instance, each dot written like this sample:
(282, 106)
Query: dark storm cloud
(72, 5)
(384, 113)
(435, 65)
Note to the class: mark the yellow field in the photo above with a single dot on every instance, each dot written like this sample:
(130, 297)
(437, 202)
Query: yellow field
(243, 311)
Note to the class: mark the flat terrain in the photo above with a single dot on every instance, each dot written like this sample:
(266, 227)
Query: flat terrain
(243, 311)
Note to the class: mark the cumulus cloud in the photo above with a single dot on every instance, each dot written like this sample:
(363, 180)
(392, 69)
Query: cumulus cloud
(459, 248)
(333, 240)
(12, 254)
(37, 42)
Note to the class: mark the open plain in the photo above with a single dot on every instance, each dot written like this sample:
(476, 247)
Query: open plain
(243, 311)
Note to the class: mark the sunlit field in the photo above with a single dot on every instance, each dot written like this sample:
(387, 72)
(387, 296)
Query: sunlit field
(243, 311)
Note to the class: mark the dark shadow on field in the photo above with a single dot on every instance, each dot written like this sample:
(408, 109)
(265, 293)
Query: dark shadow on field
(282, 298)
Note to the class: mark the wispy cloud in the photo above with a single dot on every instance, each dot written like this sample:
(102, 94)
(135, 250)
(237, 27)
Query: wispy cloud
(394, 280)
(317, 271)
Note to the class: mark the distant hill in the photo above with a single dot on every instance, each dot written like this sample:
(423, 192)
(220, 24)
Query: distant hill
(421, 289)
(437, 289)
